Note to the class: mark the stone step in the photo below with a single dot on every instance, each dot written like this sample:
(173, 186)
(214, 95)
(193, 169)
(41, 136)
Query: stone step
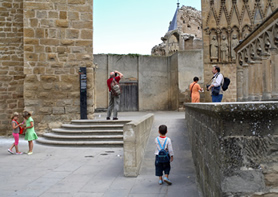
(88, 132)
(53, 136)
(92, 127)
(45, 141)
(96, 122)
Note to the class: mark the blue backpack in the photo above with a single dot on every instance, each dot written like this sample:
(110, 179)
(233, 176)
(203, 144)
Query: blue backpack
(163, 155)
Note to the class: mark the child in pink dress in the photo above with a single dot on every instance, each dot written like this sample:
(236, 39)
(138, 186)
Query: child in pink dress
(16, 129)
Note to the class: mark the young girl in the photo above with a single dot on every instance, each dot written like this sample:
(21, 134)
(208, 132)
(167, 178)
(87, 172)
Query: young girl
(30, 133)
(16, 128)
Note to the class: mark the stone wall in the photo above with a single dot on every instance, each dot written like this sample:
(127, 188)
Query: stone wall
(43, 45)
(11, 61)
(234, 147)
(136, 135)
(162, 81)
(225, 23)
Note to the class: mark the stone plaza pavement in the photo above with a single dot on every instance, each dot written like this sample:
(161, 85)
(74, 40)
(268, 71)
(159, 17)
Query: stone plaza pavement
(97, 172)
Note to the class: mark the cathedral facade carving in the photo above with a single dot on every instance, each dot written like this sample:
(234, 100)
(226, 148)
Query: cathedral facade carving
(225, 24)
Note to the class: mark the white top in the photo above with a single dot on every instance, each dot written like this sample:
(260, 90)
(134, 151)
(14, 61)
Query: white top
(168, 146)
(217, 81)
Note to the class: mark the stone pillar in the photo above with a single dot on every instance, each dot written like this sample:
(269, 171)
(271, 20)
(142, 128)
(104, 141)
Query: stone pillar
(245, 84)
(58, 40)
(266, 78)
(251, 82)
(274, 66)
(239, 83)
(258, 80)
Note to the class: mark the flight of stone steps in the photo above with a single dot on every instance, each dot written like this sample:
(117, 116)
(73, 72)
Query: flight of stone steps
(95, 133)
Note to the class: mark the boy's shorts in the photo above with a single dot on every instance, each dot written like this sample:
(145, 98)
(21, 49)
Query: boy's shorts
(160, 167)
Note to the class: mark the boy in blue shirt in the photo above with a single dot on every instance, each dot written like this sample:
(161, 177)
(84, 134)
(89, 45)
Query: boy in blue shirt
(160, 163)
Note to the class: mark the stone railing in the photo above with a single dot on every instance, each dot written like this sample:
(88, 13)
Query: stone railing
(235, 147)
(257, 63)
(136, 135)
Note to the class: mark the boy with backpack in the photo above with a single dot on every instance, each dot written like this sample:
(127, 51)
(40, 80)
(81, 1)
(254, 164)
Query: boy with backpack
(164, 155)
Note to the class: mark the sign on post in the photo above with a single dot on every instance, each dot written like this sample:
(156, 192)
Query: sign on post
(83, 92)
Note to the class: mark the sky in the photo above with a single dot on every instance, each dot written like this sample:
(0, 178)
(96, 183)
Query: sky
(133, 26)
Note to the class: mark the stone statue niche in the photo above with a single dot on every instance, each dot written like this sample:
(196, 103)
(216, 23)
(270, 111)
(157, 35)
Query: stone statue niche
(234, 43)
(214, 48)
(246, 31)
(224, 48)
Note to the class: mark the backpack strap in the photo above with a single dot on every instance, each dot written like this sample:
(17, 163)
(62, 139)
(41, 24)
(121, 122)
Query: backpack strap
(160, 144)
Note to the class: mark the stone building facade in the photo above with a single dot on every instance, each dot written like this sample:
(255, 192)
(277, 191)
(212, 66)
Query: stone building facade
(257, 63)
(225, 23)
(184, 33)
(42, 46)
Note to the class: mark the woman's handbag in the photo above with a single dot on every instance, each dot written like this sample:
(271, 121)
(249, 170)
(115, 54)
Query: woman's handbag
(215, 91)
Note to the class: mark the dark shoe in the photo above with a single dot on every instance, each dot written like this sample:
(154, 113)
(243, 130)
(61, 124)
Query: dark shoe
(107, 118)
(115, 118)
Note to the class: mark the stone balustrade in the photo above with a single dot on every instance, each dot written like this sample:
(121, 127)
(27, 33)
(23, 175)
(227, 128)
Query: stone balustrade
(257, 63)
(136, 135)
(235, 147)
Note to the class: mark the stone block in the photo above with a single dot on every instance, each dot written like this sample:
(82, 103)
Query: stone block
(76, 1)
(49, 78)
(29, 48)
(67, 42)
(53, 14)
(31, 41)
(83, 25)
(63, 15)
(73, 16)
(53, 42)
(83, 43)
(41, 14)
(37, 6)
(62, 23)
(28, 32)
(39, 70)
(87, 34)
(31, 56)
(72, 33)
(58, 110)
(52, 56)
(39, 33)
(34, 22)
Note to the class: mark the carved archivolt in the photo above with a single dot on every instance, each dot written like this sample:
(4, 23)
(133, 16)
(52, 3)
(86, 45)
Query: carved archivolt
(259, 47)
(241, 10)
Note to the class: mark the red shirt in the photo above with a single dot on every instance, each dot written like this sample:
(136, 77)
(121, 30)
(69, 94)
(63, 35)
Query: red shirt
(109, 81)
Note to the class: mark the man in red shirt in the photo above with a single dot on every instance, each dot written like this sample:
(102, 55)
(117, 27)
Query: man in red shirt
(114, 100)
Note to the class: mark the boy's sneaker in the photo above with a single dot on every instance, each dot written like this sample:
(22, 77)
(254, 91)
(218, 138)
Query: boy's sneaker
(19, 153)
(160, 182)
(167, 181)
(10, 151)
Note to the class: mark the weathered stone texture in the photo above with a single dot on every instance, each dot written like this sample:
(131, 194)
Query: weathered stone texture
(224, 24)
(39, 66)
(11, 61)
(234, 147)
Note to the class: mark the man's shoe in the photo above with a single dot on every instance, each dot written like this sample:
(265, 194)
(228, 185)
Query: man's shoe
(107, 118)
(115, 118)
(167, 181)
(160, 182)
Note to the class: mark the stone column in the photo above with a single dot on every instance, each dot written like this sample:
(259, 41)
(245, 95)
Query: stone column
(258, 79)
(251, 80)
(266, 78)
(274, 67)
(239, 83)
(245, 83)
